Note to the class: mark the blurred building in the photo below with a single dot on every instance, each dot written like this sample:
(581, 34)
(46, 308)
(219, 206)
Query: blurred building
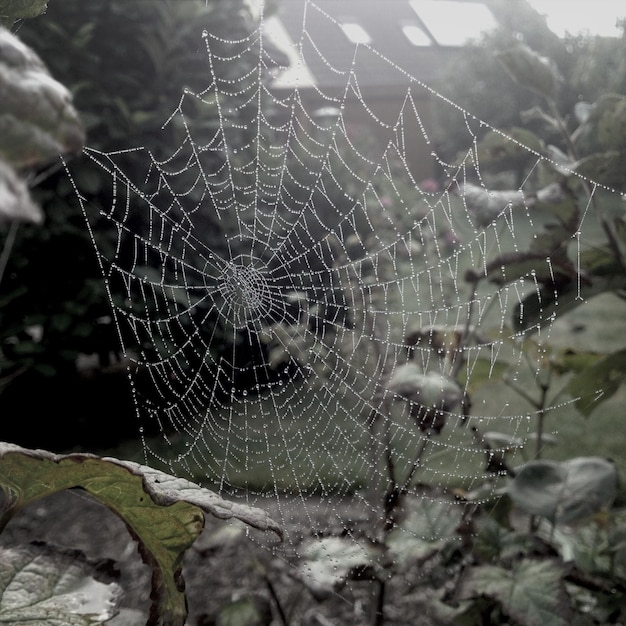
(405, 45)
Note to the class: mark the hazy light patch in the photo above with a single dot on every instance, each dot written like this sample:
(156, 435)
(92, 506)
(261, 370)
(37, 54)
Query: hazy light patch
(597, 17)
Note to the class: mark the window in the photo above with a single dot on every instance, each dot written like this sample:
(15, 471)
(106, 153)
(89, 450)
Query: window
(416, 35)
(355, 32)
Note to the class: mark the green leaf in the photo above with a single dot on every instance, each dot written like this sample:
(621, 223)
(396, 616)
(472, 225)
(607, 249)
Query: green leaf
(37, 118)
(532, 594)
(564, 492)
(427, 526)
(494, 542)
(480, 371)
(607, 168)
(164, 513)
(530, 70)
(45, 586)
(511, 266)
(605, 127)
(599, 382)
(12, 10)
(539, 307)
(496, 148)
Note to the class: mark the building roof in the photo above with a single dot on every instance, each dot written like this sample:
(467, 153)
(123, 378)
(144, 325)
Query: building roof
(417, 36)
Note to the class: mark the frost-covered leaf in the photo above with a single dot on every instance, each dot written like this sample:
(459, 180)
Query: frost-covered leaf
(502, 440)
(598, 382)
(330, 561)
(426, 526)
(45, 586)
(533, 593)
(15, 200)
(164, 513)
(37, 118)
(432, 395)
(12, 10)
(564, 492)
(530, 69)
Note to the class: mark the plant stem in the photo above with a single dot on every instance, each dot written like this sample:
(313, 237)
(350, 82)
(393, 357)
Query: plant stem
(416, 461)
(541, 415)
(378, 617)
(8, 246)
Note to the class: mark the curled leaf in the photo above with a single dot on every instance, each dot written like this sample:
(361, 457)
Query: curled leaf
(164, 513)
(598, 382)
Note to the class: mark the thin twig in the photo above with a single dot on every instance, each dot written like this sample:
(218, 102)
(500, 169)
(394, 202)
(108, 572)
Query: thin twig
(8, 246)
(416, 461)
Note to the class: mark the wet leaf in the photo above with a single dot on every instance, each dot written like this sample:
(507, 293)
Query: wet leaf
(538, 308)
(532, 264)
(533, 593)
(564, 492)
(164, 513)
(45, 586)
(597, 383)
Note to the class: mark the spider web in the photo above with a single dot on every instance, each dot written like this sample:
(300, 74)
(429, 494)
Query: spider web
(275, 277)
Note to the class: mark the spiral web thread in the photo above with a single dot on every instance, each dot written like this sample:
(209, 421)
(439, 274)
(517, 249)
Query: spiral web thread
(265, 352)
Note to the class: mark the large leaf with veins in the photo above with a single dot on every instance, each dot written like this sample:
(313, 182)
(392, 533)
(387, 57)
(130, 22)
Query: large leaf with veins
(164, 513)
(41, 585)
